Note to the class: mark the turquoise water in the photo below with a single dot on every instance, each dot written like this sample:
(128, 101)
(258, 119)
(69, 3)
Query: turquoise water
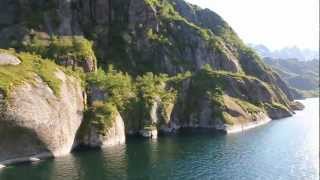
(287, 149)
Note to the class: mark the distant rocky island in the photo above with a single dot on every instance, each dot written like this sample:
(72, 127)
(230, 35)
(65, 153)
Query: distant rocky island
(89, 73)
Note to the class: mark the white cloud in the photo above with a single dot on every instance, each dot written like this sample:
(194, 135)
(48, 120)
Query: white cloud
(275, 23)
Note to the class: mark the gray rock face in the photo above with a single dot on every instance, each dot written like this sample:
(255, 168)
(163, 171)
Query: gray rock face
(88, 64)
(198, 111)
(6, 59)
(149, 133)
(115, 135)
(278, 113)
(121, 32)
(206, 117)
(250, 63)
(297, 106)
(35, 121)
(185, 48)
(178, 46)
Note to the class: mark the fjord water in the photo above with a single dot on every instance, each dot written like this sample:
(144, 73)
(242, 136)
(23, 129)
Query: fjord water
(287, 149)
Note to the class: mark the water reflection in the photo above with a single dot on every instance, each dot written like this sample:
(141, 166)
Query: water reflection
(102, 164)
(65, 167)
(286, 149)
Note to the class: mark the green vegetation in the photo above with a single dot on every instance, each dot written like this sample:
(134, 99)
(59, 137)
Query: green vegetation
(76, 47)
(170, 15)
(214, 85)
(150, 128)
(248, 107)
(31, 65)
(101, 115)
(152, 87)
(158, 37)
(61, 48)
(167, 40)
(152, 3)
(120, 92)
(133, 98)
(210, 83)
(275, 106)
(116, 84)
(227, 118)
(132, 60)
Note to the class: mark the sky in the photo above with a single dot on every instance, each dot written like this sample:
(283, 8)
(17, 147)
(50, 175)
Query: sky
(274, 23)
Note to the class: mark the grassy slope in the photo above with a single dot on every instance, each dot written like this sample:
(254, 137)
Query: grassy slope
(31, 65)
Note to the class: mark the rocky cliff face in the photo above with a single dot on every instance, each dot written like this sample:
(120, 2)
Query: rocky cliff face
(35, 121)
(102, 126)
(114, 135)
(212, 79)
(220, 100)
(42, 108)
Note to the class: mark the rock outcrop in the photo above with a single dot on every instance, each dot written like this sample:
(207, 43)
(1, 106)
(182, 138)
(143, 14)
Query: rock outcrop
(94, 131)
(36, 123)
(203, 75)
(114, 135)
(168, 36)
(297, 106)
(6, 59)
(224, 101)
(149, 133)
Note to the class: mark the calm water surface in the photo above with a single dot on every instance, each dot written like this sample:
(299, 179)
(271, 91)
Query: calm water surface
(282, 150)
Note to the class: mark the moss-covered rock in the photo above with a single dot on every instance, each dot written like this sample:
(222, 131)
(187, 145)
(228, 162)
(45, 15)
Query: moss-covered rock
(68, 51)
(31, 65)
(218, 99)
(102, 126)
(41, 109)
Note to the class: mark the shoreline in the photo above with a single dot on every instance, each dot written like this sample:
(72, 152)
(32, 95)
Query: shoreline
(228, 130)
(247, 126)
(27, 159)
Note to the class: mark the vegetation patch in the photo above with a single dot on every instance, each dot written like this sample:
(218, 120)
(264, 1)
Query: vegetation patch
(213, 85)
(133, 97)
(248, 107)
(62, 48)
(275, 106)
(31, 65)
(159, 38)
(101, 115)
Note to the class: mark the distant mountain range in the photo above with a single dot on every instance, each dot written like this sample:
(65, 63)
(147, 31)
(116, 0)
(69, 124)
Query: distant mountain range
(301, 76)
(286, 53)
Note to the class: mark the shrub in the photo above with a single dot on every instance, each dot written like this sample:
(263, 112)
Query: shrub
(101, 115)
(11, 76)
(60, 48)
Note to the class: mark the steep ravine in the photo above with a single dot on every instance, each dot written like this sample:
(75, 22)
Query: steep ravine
(91, 72)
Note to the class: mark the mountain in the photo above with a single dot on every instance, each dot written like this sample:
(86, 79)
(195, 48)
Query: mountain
(300, 75)
(286, 53)
(142, 67)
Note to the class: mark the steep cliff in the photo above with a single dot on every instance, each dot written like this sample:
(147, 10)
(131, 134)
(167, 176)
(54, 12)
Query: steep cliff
(224, 101)
(41, 109)
(163, 64)
(103, 125)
